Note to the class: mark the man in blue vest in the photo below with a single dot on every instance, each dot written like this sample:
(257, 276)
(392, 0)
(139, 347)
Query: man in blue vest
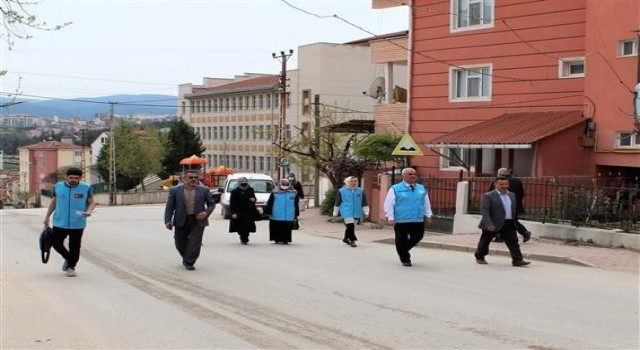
(407, 208)
(71, 204)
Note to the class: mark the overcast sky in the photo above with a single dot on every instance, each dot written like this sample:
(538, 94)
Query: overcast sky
(151, 46)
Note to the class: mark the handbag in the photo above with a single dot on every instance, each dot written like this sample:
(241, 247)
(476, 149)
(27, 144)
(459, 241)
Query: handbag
(46, 241)
(296, 224)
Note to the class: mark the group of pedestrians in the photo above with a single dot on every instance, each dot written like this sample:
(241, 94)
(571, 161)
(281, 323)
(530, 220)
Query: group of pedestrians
(189, 206)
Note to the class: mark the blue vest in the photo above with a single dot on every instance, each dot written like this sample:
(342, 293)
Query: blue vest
(351, 206)
(284, 207)
(409, 204)
(69, 201)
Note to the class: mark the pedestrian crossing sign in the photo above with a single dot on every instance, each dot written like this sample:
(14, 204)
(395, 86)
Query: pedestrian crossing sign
(407, 147)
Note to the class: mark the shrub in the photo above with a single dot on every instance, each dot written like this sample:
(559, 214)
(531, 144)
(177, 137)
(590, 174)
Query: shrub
(326, 208)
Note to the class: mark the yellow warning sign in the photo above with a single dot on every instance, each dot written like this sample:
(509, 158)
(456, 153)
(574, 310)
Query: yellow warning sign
(407, 147)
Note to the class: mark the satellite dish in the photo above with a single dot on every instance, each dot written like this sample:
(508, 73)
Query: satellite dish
(376, 90)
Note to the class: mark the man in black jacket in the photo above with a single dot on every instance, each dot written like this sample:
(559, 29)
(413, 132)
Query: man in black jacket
(515, 186)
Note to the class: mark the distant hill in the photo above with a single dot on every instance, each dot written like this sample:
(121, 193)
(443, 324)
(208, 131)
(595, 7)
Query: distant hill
(90, 107)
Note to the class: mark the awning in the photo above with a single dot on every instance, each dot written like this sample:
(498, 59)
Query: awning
(510, 130)
(353, 126)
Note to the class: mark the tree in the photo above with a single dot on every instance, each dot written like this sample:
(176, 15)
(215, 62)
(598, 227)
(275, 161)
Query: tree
(138, 153)
(181, 142)
(11, 140)
(17, 20)
(378, 148)
(328, 152)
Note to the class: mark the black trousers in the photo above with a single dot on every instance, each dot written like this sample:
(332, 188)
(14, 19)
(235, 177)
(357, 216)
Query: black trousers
(188, 240)
(75, 239)
(350, 232)
(408, 234)
(520, 228)
(508, 233)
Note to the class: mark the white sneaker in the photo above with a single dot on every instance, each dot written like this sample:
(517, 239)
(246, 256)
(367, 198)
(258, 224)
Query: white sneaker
(71, 272)
(65, 266)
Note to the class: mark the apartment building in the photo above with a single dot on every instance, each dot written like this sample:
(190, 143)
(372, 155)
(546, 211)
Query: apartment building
(542, 87)
(39, 160)
(238, 119)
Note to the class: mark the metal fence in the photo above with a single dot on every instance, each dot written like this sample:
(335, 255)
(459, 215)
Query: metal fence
(442, 194)
(589, 202)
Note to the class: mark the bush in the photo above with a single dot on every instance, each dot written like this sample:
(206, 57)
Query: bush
(326, 208)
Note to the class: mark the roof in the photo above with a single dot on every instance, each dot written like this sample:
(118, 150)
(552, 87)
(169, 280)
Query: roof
(50, 145)
(378, 37)
(353, 126)
(510, 130)
(267, 82)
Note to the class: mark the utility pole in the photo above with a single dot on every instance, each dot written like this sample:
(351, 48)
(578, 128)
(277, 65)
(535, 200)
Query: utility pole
(282, 121)
(112, 158)
(316, 137)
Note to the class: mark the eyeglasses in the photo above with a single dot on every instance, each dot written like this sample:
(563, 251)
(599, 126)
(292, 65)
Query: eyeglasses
(193, 177)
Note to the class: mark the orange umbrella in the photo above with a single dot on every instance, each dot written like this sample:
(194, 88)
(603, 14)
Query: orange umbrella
(193, 160)
(221, 170)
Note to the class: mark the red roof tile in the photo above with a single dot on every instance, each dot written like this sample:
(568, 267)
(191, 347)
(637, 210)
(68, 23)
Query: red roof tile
(52, 145)
(513, 128)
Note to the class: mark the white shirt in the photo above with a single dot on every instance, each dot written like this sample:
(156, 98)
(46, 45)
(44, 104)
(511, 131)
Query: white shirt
(506, 202)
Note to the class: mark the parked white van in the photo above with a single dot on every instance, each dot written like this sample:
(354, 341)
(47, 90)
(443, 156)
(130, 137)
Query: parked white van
(262, 185)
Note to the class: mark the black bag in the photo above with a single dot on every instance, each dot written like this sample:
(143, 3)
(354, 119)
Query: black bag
(46, 241)
(296, 224)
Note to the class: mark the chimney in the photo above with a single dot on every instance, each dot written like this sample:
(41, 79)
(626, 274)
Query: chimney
(67, 140)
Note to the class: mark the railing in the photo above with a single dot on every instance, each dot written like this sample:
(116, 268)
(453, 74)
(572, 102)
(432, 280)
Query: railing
(442, 195)
(575, 201)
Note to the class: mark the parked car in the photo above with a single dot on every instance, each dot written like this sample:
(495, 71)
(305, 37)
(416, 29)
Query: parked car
(262, 185)
(216, 193)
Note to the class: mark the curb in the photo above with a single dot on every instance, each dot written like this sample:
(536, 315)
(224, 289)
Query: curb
(464, 248)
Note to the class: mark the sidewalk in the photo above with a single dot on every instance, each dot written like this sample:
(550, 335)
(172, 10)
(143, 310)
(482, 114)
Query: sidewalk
(313, 223)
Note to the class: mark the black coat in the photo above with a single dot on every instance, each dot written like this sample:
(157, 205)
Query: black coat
(240, 204)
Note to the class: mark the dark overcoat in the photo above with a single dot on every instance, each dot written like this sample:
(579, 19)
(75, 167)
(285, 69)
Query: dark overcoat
(245, 209)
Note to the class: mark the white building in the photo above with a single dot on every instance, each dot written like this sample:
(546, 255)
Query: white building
(237, 119)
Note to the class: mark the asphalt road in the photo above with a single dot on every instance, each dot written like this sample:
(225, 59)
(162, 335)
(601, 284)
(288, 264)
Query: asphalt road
(317, 293)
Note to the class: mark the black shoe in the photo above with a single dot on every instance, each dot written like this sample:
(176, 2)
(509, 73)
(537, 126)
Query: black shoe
(527, 236)
(244, 242)
(521, 263)
(407, 263)
(353, 244)
(346, 241)
(188, 266)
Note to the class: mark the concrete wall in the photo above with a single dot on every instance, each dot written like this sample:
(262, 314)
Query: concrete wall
(102, 199)
(468, 223)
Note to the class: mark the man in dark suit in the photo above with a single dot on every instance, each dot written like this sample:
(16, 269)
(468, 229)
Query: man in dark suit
(188, 209)
(515, 186)
(499, 215)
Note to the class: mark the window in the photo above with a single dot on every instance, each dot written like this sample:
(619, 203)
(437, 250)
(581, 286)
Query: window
(471, 14)
(627, 48)
(306, 102)
(450, 158)
(471, 83)
(572, 67)
(628, 139)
